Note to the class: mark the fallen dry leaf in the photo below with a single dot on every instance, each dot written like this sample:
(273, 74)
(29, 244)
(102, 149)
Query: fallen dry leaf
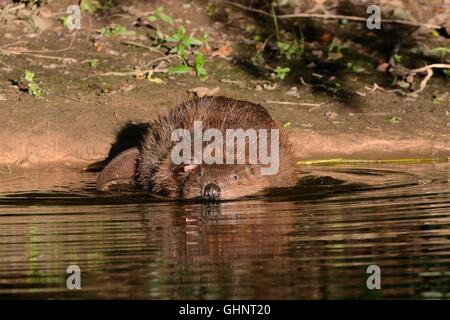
(222, 52)
(98, 46)
(326, 38)
(383, 67)
(155, 80)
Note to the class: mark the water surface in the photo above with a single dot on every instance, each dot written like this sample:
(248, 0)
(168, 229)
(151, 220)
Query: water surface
(314, 241)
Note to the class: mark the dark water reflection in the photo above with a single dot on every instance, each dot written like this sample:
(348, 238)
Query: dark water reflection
(314, 241)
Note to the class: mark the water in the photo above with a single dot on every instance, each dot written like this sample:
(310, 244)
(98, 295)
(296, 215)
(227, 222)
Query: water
(315, 241)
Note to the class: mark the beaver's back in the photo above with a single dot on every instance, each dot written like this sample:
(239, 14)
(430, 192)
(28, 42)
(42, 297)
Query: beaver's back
(217, 112)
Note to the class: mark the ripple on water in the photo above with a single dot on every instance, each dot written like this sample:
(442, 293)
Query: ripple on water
(312, 241)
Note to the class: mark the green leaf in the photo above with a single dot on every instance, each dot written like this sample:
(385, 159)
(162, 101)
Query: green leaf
(281, 72)
(199, 60)
(32, 87)
(398, 58)
(166, 18)
(190, 41)
(355, 68)
(67, 21)
(198, 63)
(90, 5)
(180, 69)
(113, 30)
(94, 63)
(28, 76)
(395, 119)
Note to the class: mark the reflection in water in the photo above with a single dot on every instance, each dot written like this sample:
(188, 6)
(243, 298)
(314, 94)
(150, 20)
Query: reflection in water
(314, 241)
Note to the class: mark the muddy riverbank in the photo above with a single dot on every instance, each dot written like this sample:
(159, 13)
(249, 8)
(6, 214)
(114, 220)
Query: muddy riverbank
(92, 85)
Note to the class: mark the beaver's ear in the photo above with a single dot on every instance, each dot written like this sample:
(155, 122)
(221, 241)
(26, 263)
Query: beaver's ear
(253, 169)
(184, 169)
(119, 171)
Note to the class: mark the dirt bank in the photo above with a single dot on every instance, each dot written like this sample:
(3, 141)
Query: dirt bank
(62, 130)
(83, 105)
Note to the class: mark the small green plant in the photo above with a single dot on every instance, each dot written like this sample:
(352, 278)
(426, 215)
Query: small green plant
(354, 68)
(447, 72)
(210, 9)
(291, 49)
(108, 4)
(183, 43)
(179, 43)
(90, 5)
(287, 125)
(398, 58)
(159, 14)
(335, 49)
(94, 63)
(281, 72)
(32, 87)
(113, 30)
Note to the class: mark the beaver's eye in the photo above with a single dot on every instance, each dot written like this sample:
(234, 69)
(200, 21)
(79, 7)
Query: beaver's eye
(200, 172)
(234, 177)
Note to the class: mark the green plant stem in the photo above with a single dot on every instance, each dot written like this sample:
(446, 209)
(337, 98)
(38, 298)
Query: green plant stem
(369, 161)
(275, 23)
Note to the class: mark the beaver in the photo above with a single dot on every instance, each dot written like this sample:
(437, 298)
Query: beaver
(151, 168)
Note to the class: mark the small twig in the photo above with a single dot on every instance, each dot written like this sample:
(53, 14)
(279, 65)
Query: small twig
(424, 82)
(377, 87)
(429, 70)
(275, 23)
(431, 66)
(140, 45)
(355, 161)
(18, 7)
(307, 104)
(68, 60)
(161, 59)
(10, 44)
(57, 50)
(72, 98)
(304, 82)
(132, 73)
(332, 16)
(8, 52)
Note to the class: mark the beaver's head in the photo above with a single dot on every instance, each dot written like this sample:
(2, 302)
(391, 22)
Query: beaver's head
(222, 181)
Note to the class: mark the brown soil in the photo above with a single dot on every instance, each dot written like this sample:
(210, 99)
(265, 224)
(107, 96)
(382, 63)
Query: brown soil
(76, 119)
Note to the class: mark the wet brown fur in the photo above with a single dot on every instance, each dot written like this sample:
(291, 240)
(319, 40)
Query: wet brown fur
(157, 173)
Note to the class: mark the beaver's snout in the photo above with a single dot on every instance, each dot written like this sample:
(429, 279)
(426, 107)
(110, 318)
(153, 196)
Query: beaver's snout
(211, 191)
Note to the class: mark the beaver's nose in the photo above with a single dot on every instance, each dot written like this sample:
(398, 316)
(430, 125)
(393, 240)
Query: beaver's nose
(211, 191)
